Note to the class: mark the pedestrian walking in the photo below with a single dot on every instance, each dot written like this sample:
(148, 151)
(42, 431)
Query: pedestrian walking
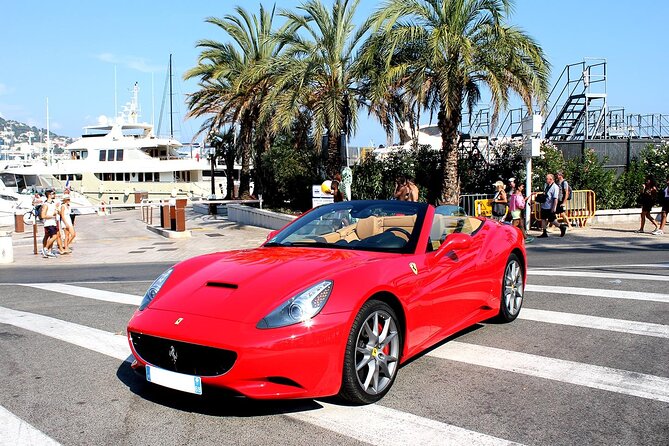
(48, 215)
(563, 198)
(664, 202)
(647, 199)
(499, 202)
(66, 222)
(549, 207)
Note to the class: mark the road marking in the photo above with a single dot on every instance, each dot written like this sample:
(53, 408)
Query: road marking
(597, 377)
(340, 419)
(592, 274)
(595, 322)
(89, 293)
(594, 292)
(15, 431)
(100, 341)
(634, 265)
(398, 427)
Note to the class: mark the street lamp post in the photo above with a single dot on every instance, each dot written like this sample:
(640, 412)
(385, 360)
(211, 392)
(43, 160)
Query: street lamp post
(212, 157)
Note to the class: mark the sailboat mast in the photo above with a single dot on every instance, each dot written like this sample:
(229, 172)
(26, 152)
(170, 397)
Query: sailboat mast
(171, 125)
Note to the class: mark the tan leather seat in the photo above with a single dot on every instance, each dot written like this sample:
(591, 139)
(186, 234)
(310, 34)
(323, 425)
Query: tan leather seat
(368, 227)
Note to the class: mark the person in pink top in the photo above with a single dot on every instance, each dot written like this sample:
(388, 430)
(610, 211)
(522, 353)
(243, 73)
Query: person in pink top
(516, 208)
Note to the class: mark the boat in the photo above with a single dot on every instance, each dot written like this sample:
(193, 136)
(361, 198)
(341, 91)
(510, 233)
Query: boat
(123, 162)
(20, 182)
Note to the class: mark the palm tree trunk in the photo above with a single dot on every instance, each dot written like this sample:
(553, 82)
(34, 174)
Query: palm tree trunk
(450, 137)
(246, 140)
(334, 158)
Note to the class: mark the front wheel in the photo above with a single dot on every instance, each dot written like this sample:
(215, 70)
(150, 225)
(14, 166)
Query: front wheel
(372, 354)
(512, 290)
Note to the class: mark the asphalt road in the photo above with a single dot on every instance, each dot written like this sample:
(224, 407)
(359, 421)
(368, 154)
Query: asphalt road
(586, 363)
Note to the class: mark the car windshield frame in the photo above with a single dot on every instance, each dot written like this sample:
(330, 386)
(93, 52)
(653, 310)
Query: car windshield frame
(320, 227)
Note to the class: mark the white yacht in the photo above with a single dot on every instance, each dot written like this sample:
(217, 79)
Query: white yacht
(122, 162)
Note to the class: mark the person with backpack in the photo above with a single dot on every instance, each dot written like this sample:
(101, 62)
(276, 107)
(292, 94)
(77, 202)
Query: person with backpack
(549, 207)
(563, 197)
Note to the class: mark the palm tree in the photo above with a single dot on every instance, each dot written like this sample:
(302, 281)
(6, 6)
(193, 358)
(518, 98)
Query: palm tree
(445, 51)
(317, 72)
(224, 70)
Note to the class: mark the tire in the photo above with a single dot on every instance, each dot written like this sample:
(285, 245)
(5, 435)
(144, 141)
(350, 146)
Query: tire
(513, 290)
(372, 354)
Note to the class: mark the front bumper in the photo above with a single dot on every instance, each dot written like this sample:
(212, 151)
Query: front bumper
(300, 361)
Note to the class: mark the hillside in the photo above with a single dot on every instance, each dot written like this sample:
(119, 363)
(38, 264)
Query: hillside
(14, 132)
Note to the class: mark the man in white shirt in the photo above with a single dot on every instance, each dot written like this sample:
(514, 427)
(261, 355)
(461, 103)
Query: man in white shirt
(549, 207)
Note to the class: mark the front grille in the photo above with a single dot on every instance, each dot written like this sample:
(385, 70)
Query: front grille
(182, 357)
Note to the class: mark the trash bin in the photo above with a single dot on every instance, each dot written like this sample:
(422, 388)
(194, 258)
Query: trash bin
(19, 226)
(6, 249)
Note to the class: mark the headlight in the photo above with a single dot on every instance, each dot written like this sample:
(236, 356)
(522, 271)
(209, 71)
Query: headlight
(299, 308)
(154, 288)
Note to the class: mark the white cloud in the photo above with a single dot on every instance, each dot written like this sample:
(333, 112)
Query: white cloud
(132, 62)
(4, 89)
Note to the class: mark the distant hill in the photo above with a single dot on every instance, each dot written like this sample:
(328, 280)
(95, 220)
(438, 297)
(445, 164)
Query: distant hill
(15, 132)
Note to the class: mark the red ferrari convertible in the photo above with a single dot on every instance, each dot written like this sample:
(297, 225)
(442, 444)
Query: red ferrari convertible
(331, 304)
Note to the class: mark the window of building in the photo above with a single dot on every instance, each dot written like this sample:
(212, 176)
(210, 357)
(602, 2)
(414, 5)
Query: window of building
(103, 155)
(110, 155)
(119, 154)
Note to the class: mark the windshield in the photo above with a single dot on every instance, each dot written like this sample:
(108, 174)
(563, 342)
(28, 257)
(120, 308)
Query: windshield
(387, 226)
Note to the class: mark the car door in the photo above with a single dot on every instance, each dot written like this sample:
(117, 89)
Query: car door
(452, 281)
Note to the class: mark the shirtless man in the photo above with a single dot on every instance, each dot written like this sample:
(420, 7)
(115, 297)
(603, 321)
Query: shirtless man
(405, 190)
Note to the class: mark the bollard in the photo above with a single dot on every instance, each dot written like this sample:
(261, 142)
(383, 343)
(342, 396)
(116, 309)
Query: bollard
(180, 214)
(6, 249)
(18, 223)
(165, 216)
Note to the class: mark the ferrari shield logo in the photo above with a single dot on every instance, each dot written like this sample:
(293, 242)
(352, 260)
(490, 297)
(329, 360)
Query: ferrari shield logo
(178, 321)
(413, 267)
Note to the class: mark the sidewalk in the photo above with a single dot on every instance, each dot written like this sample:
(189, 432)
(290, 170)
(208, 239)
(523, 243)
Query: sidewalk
(122, 237)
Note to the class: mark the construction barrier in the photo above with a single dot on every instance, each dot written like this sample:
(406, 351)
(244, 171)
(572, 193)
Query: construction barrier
(483, 208)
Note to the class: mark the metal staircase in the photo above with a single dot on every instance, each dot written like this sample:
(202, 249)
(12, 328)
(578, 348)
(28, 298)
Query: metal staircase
(577, 103)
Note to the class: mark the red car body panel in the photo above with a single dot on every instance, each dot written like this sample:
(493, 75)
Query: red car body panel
(221, 298)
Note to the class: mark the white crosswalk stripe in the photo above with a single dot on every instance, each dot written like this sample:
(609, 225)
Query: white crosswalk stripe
(595, 292)
(595, 322)
(594, 274)
(15, 431)
(597, 377)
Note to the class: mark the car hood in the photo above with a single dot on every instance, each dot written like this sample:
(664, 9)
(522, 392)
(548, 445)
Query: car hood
(244, 286)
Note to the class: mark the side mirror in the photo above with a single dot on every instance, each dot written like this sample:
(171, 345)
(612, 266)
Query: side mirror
(272, 234)
(453, 242)
(456, 241)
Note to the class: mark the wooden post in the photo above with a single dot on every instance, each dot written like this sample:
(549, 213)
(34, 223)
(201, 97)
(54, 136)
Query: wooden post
(35, 237)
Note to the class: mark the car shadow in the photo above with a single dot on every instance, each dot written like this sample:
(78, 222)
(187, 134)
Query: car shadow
(453, 337)
(213, 401)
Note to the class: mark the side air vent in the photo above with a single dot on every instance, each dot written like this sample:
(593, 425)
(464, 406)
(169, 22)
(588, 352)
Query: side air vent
(223, 285)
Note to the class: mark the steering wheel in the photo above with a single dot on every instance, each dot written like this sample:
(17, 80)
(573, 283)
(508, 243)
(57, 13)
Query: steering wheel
(400, 230)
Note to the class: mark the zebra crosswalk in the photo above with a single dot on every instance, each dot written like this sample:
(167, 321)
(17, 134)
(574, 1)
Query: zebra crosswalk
(398, 418)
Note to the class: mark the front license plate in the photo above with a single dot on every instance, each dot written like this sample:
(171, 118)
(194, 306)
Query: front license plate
(173, 380)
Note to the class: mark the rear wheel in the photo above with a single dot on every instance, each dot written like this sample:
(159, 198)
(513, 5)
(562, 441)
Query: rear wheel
(512, 290)
(372, 354)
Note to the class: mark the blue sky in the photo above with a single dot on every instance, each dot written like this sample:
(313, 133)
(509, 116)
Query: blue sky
(68, 51)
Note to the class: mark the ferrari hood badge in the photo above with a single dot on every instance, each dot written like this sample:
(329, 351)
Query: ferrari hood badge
(178, 321)
(413, 267)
